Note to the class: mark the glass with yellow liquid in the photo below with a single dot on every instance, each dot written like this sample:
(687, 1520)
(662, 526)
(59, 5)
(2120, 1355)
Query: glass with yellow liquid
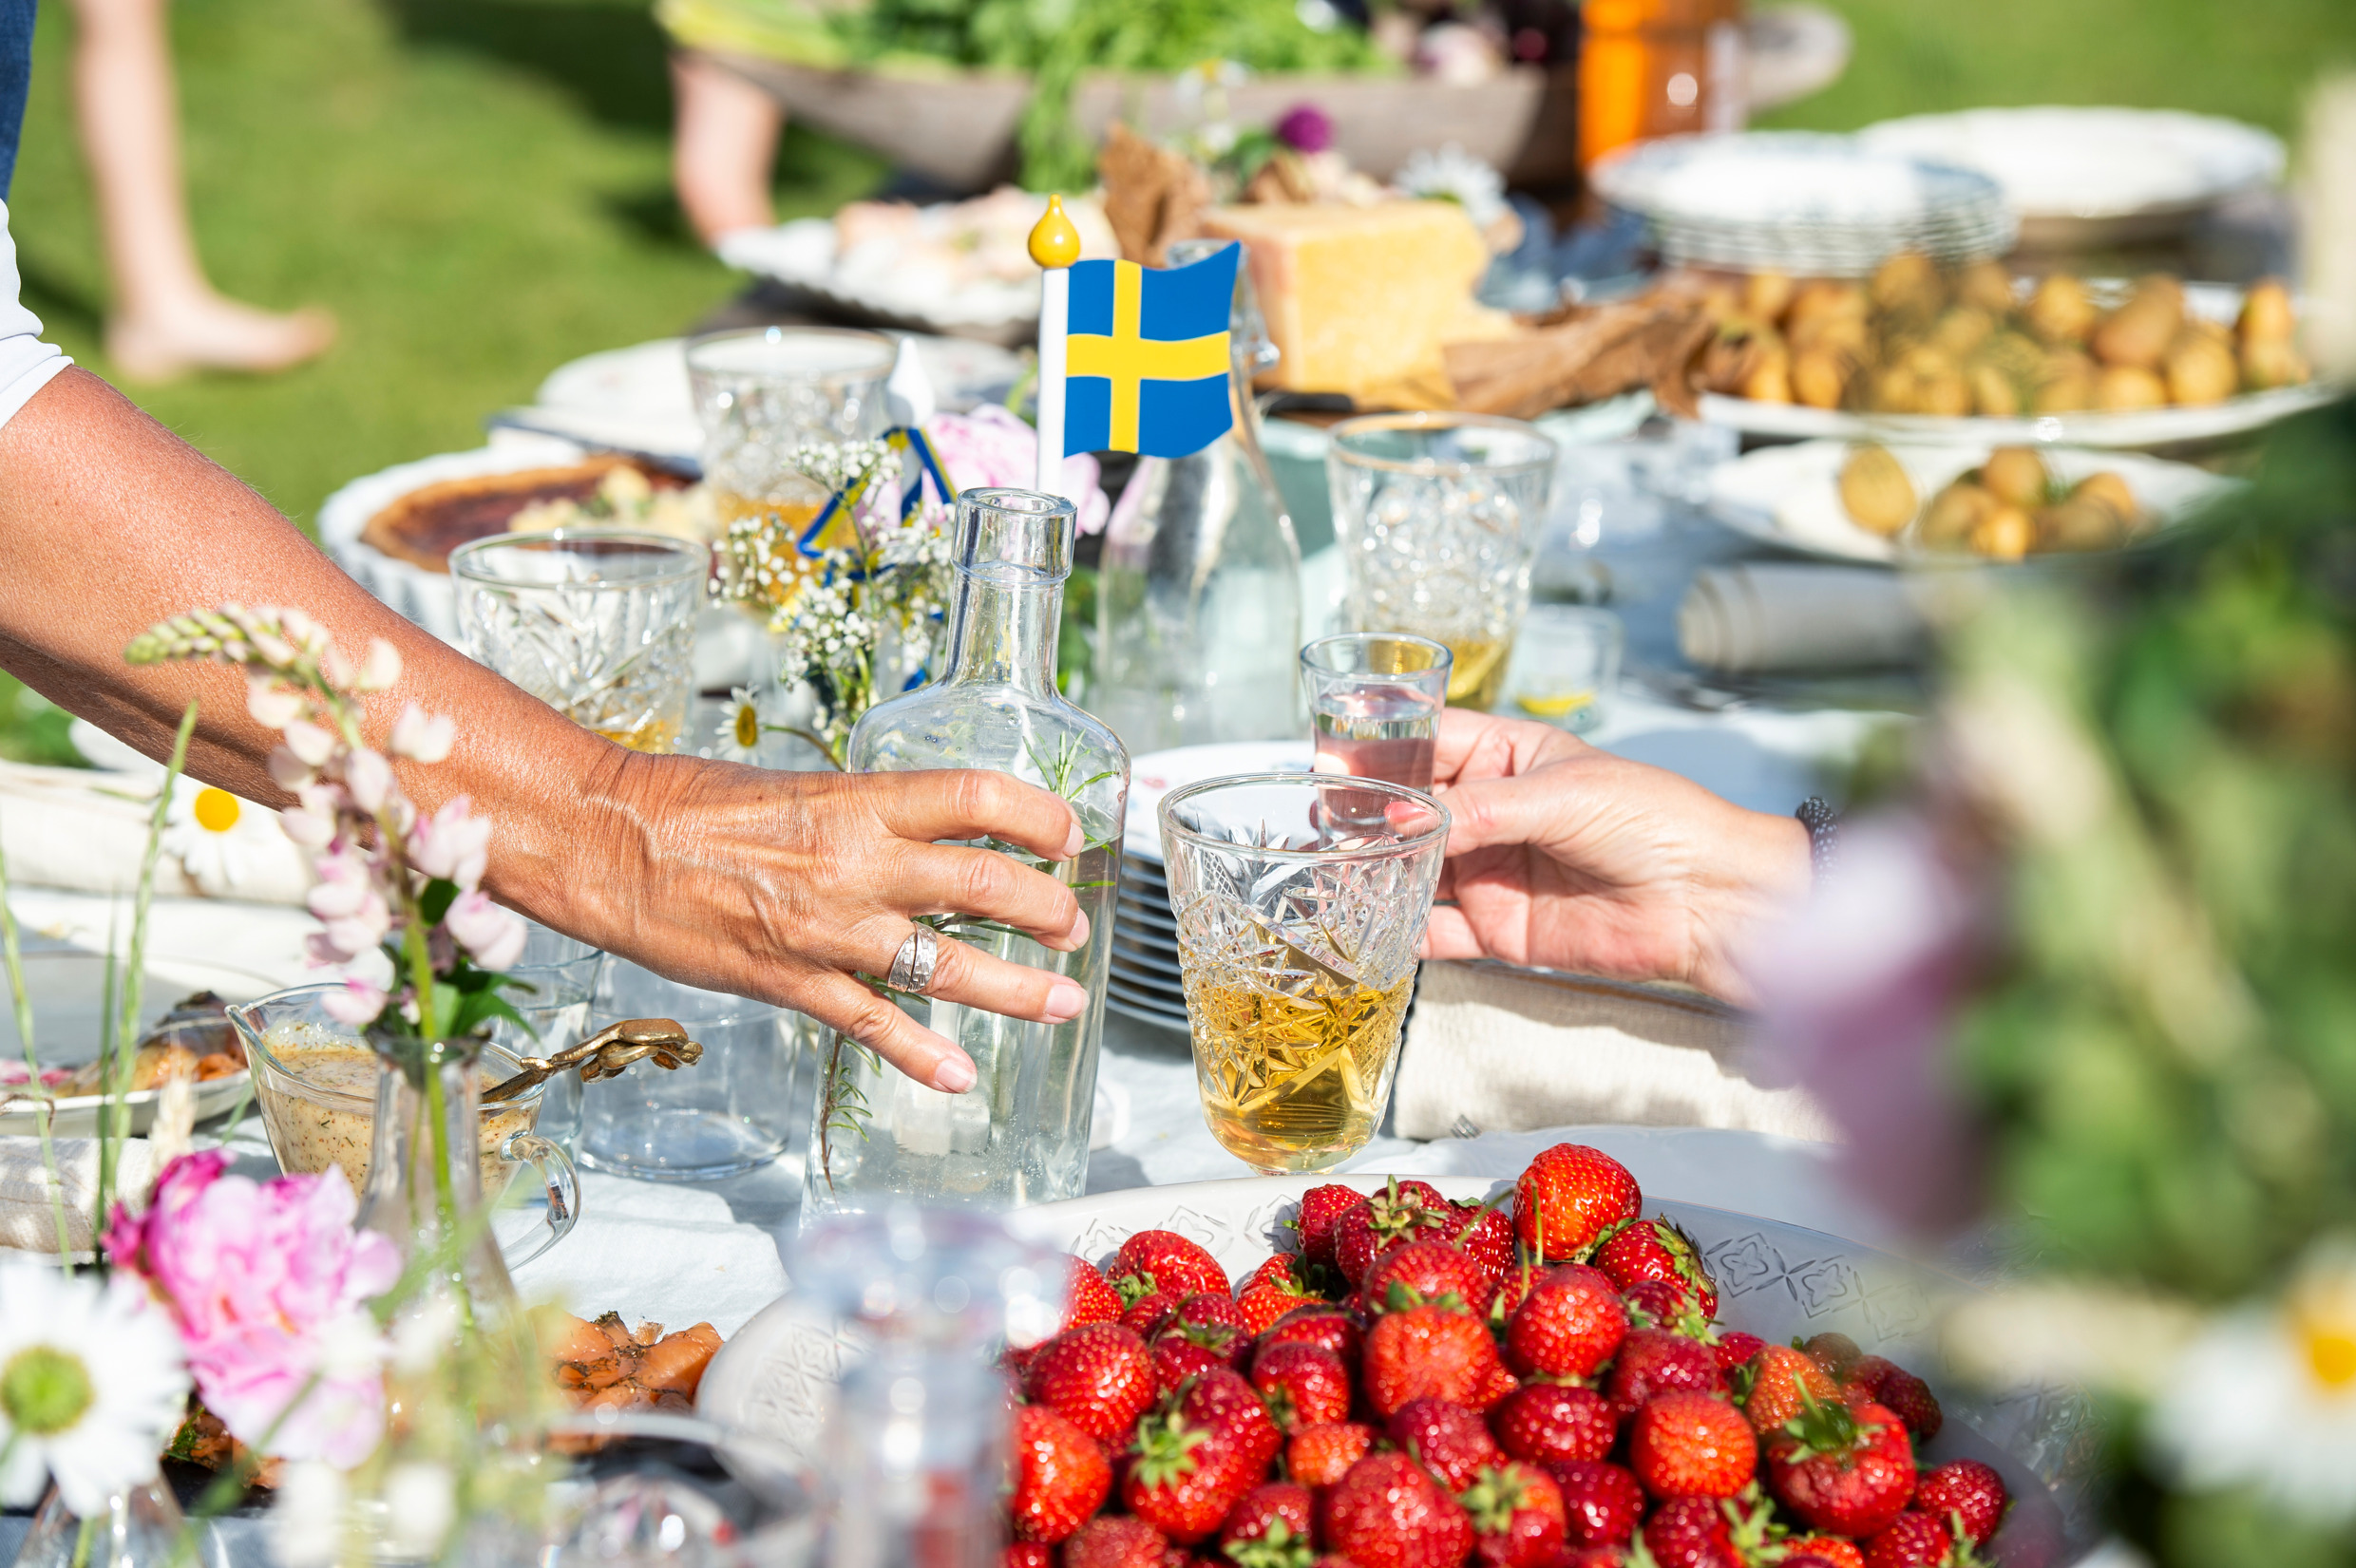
(1438, 516)
(1301, 903)
(1566, 666)
(599, 625)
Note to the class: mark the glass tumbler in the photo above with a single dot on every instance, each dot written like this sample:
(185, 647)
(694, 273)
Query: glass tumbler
(1567, 665)
(1375, 701)
(563, 977)
(719, 1117)
(1301, 901)
(600, 626)
(1439, 517)
(762, 394)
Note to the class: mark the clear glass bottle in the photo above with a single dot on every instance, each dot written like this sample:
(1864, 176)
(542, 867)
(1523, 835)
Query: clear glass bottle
(139, 1527)
(1020, 1134)
(1198, 595)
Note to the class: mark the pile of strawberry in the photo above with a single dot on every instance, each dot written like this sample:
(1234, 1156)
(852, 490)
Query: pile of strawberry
(1424, 1384)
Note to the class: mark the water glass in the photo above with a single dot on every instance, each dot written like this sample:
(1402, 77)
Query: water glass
(722, 1116)
(599, 625)
(1438, 516)
(1375, 701)
(762, 394)
(1567, 665)
(1300, 912)
(563, 977)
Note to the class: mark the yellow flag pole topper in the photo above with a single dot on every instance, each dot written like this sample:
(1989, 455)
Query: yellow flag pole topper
(1054, 245)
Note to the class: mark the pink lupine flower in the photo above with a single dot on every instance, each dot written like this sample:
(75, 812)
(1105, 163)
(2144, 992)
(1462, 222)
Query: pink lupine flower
(313, 743)
(269, 1283)
(451, 844)
(355, 1002)
(494, 935)
(420, 736)
(369, 776)
(274, 707)
(381, 669)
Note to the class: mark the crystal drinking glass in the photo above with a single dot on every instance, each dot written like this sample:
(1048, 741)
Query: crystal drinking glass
(1439, 517)
(600, 626)
(734, 1110)
(1375, 701)
(1301, 903)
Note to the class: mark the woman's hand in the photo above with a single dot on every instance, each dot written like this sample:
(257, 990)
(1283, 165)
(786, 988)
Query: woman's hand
(1567, 857)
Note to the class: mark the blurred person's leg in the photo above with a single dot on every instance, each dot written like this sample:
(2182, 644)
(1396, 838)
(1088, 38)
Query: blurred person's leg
(166, 319)
(723, 147)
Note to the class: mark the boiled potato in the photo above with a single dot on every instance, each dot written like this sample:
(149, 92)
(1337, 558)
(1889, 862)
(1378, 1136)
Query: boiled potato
(2271, 361)
(1909, 281)
(1875, 491)
(1993, 394)
(2111, 490)
(2079, 523)
(1770, 377)
(2060, 311)
(1821, 375)
(2125, 388)
(2016, 474)
(2138, 333)
(2199, 370)
(2266, 314)
(1767, 296)
(1945, 394)
(1986, 286)
(2066, 385)
(2004, 533)
(1953, 513)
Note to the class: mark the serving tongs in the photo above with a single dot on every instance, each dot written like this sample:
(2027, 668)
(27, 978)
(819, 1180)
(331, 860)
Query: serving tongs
(605, 1054)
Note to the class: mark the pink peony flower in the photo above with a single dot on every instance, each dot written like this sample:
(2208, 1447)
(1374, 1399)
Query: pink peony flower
(451, 844)
(269, 1283)
(992, 447)
(491, 933)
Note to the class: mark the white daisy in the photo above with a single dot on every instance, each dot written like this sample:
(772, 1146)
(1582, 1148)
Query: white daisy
(745, 726)
(213, 834)
(92, 1384)
(2266, 1397)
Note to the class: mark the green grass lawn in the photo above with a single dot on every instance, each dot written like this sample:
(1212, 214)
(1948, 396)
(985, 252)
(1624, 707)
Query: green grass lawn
(479, 189)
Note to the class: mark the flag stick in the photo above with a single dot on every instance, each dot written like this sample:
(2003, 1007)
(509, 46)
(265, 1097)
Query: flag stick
(1054, 245)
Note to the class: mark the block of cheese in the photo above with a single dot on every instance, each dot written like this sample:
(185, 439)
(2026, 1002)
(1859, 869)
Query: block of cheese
(1360, 300)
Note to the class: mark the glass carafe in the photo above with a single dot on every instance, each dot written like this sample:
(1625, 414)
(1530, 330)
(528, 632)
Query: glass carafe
(1198, 595)
(1020, 1134)
(425, 1178)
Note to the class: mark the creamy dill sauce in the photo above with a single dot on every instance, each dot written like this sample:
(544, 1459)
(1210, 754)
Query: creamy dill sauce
(328, 1116)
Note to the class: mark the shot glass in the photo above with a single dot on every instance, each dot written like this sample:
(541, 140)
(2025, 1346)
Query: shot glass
(1296, 939)
(1375, 701)
(600, 626)
(1439, 517)
(1567, 665)
(761, 395)
(722, 1116)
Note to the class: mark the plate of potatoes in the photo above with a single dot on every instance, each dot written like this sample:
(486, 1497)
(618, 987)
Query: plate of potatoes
(1918, 352)
(1919, 505)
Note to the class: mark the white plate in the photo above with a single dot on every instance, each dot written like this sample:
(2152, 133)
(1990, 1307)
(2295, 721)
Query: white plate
(1774, 1280)
(802, 254)
(1157, 773)
(2055, 162)
(1790, 496)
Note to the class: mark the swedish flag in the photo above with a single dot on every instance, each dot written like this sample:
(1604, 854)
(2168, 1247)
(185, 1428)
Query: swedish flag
(1145, 363)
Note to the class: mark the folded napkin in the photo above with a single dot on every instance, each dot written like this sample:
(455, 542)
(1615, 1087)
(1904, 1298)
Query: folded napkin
(28, 1221)
(1494, 1049)
(85, 830)
(1769, 617)
(655, 1251)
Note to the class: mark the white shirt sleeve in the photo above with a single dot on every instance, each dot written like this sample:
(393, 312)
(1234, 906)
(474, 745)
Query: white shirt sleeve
(26, 361)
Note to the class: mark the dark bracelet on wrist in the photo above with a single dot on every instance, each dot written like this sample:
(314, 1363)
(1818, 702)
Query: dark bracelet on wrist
(1823, 827)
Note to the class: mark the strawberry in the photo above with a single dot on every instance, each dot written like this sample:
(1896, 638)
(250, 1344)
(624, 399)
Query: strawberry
(1303, 1385)
(1836, 1353)
(1776, 1384)
(1262, 1304)
(1911, 1541)
(1655, 1249)
(1662, 1304)
(1316, 1324)
(1485, 1235)
(1404, 1210)
(1568, 1197)
(1319, 1456)
(1061, 1476)
(1448, 1440)
(1027, 1554)
(1267, 1508)
(1179, 1354)
(1098, 1376)
(1842, 1471)
(1828, 1551)
(1871, 1370)
(1688, 1443)
(1388, 1513)
(1652, 1361)
(1278, 1286)
(1427, 1351)
(1911, 1398)
(1322, 1209)
(1429, 1269)
(1087, 1296)
(1166, 1263)
(1209, 1310)
(1691, 1532)
(1592, 1557)
(1192, 1460)
(1735, 1347)
(1964, 1494)
(1115, 1541)
(1568, 1325)
(1546, 1423)
(1601, 1503)
(1517, 1516)
(1149, 1313)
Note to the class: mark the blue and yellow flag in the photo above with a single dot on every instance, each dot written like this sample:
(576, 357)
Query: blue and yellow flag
(1146, 367)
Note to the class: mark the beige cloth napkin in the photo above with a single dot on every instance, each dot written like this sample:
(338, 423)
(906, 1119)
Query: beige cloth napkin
(1493, 1048)
(85, 830)
(1766, 617)
(27, 1220)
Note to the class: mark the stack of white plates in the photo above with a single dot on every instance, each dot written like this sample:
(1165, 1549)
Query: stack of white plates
(1145, 983)
(1804, 203)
